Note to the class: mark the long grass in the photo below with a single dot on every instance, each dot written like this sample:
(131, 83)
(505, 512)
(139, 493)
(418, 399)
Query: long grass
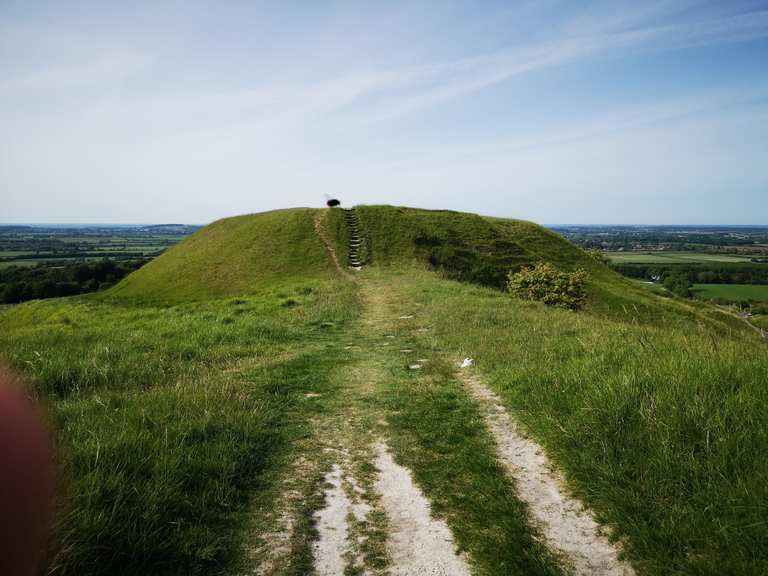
(178, 396)
(169, 419)
(662, 429)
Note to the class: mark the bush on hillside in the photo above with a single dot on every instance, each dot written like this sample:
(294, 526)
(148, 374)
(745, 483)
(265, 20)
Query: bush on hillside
(547, 284)
(598, 256)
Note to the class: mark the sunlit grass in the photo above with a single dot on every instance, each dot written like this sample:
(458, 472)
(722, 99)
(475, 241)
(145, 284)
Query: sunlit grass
(169, 418)
(661, 428)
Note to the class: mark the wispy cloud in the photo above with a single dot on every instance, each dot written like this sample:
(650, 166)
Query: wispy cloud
(116, 112)
(415, 88)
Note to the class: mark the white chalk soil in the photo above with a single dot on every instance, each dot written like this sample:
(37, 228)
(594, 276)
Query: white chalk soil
(419, 545)
(331, 548)
(568, 527)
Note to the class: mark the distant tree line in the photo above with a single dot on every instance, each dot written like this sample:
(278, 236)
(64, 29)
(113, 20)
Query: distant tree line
(698, 273)
(19, 283)
(750, 240)
(73, 253)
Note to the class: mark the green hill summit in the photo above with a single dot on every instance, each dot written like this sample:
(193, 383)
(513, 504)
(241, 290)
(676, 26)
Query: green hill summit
(247, 254)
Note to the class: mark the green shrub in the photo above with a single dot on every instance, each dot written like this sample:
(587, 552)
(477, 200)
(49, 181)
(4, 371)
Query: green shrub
(547, 284)
(598, 255)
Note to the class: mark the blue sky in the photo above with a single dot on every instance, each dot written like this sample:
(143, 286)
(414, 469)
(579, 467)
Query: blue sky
(552, 111)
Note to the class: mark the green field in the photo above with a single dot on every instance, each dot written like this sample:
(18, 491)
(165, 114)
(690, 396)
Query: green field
(733, 292)
(199, 403)
(664, 257)
(42, 245)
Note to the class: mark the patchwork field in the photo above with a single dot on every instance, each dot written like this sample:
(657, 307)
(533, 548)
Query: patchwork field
(669, 257)
(732, 292)
(33, 245)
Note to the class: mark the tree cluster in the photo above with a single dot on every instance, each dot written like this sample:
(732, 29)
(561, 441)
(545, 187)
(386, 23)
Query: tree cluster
(19, 284)
(699, 273)
(679, 284)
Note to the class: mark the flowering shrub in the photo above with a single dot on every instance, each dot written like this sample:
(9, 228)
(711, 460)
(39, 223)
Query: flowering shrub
(547, 284)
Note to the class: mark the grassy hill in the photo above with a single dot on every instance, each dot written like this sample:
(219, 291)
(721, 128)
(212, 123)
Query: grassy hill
(245, 254)
(483, 250)
(233, 256)
(185, 396)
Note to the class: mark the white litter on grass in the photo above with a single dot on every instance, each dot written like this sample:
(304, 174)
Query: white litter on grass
(407, 317)
(467, 363)
(414, 366)
(419, 545)
(312, 395)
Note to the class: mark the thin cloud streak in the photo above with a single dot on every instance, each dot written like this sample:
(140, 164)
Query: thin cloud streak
(95, 122)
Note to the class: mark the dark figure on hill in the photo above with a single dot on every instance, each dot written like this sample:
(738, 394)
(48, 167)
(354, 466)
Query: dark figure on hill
(331, 202)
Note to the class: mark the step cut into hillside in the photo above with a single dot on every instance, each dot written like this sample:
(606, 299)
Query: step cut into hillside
(353, 227)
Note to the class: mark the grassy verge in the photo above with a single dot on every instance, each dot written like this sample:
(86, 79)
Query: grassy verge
(662, 430)
(169, 419)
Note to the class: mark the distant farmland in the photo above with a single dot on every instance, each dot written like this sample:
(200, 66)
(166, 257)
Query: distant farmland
(658, 257)
(734, 292)
(57, 245)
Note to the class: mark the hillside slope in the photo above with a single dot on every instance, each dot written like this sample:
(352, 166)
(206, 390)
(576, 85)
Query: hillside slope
(197, 429)
(483, 250)
(232, 256)
(247, 254)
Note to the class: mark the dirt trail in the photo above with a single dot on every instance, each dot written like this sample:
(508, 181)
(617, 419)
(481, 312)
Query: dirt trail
(355, 510)
(323, 235)
(419, 544)
(568, 527)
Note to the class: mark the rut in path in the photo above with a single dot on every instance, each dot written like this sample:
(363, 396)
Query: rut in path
(417, 543)
(568, 527)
